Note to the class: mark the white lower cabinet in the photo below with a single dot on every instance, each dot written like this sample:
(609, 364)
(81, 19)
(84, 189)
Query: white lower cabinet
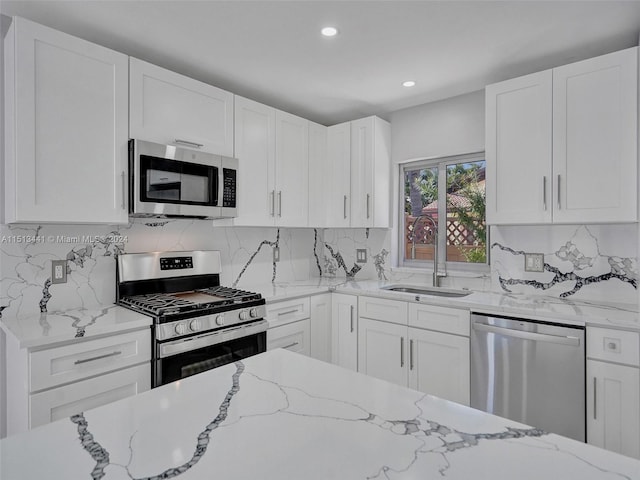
(321, 327)
(381, 350)
(62, 402)
(439, 364)
(289, 325)
(613, 390)
(46, 384)
(433, 359)
(292, 336)
(344, 330)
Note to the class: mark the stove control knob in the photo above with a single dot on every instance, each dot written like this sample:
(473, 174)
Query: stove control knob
(194, 325)
(220, 320)
(180, 329)
(244, 315)
(253, 313)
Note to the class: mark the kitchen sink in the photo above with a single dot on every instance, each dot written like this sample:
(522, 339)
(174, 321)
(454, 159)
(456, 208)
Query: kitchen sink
(433, 291)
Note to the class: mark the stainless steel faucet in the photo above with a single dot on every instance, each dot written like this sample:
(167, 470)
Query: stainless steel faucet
(434, 225)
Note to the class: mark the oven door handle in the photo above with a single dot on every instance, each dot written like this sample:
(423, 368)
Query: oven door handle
(208, 339)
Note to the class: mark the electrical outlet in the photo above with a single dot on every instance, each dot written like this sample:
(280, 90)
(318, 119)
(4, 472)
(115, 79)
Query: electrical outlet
(361, 255)
(58, 271)
(534, 262)
(276, 254)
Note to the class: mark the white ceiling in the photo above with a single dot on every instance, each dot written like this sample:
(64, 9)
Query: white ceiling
(272, 52)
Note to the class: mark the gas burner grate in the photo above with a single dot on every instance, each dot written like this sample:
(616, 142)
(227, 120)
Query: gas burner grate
(156, 302)
(228, 292)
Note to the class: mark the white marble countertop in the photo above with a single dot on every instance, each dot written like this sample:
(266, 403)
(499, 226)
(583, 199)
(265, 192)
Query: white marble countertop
(282, 415)
(47, 329)
(540, 307)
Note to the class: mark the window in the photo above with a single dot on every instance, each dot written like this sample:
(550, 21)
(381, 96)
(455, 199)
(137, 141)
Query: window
(444, 205)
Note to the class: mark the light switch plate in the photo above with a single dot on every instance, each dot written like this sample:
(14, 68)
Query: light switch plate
(58, 271)
(534, 262)
(361, 255)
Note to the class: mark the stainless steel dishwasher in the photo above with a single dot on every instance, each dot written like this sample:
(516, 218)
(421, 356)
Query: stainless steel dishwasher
(529, 371)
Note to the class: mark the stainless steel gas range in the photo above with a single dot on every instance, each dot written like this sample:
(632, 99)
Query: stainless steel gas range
(198, 324)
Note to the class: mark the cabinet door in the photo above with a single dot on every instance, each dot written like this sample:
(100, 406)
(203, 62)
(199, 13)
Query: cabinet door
(292, 336)
(344, 330)
(338, 185)
(172, 109)
(321, 327)
(319, 183)
(292, 170)
(66, 119)
(518, 150)
(61, 402)
(595, 133)
(382, 350)
(362, 172)
(439, 365)
(255, 149)
(613, 417)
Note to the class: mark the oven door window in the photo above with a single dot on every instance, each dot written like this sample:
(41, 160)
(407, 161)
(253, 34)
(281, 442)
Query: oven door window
(172, 181)
(175, 367)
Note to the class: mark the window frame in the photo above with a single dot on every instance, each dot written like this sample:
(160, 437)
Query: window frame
(444, 266)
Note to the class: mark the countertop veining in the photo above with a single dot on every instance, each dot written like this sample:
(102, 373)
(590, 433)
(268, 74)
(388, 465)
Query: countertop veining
(282, 415)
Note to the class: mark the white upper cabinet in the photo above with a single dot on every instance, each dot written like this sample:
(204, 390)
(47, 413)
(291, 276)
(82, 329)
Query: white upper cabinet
(337, 202)
(255, 147)
(370, 173)
(171, 109)
(65, 128)
(595, 133)
(518, 150)
(358, 176)
(561, 145)
(292, 170)
(272, 148)
(318, 166)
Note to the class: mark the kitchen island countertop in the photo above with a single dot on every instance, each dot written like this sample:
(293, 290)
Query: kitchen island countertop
(282, 415)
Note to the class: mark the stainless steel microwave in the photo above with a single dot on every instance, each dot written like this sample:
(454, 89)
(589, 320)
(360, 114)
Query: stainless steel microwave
(170, 181)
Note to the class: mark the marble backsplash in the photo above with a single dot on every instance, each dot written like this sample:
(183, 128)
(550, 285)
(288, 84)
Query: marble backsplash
(582, 262)
(595, 262)
(26, 252)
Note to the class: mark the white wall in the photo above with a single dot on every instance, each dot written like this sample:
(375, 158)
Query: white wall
(439, 129)
(448, 127)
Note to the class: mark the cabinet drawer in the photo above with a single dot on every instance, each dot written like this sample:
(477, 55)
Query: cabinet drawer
(292, 336)
(57, 366)
(441, 319)
(383, 309)
(62, 402)
(618, 346)
(281, 313)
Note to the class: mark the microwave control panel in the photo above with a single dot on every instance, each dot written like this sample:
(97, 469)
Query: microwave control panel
(229, 188)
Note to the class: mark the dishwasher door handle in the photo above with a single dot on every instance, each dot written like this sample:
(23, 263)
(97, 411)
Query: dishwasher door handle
(541, 337)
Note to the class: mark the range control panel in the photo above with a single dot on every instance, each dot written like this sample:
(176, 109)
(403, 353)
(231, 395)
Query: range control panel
(176, 263)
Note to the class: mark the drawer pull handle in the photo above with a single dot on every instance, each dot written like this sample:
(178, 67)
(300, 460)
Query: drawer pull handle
(99, 357)
(287, 312)
(544, 193)
(291, 345)
(351, 317)
(188, 143)
(344, 207)
(410, 354)
(122, 176)
(595, 397)
(401, 352)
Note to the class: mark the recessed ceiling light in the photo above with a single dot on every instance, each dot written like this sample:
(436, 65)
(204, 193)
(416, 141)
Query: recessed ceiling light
(329, 31)
(408, 83)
